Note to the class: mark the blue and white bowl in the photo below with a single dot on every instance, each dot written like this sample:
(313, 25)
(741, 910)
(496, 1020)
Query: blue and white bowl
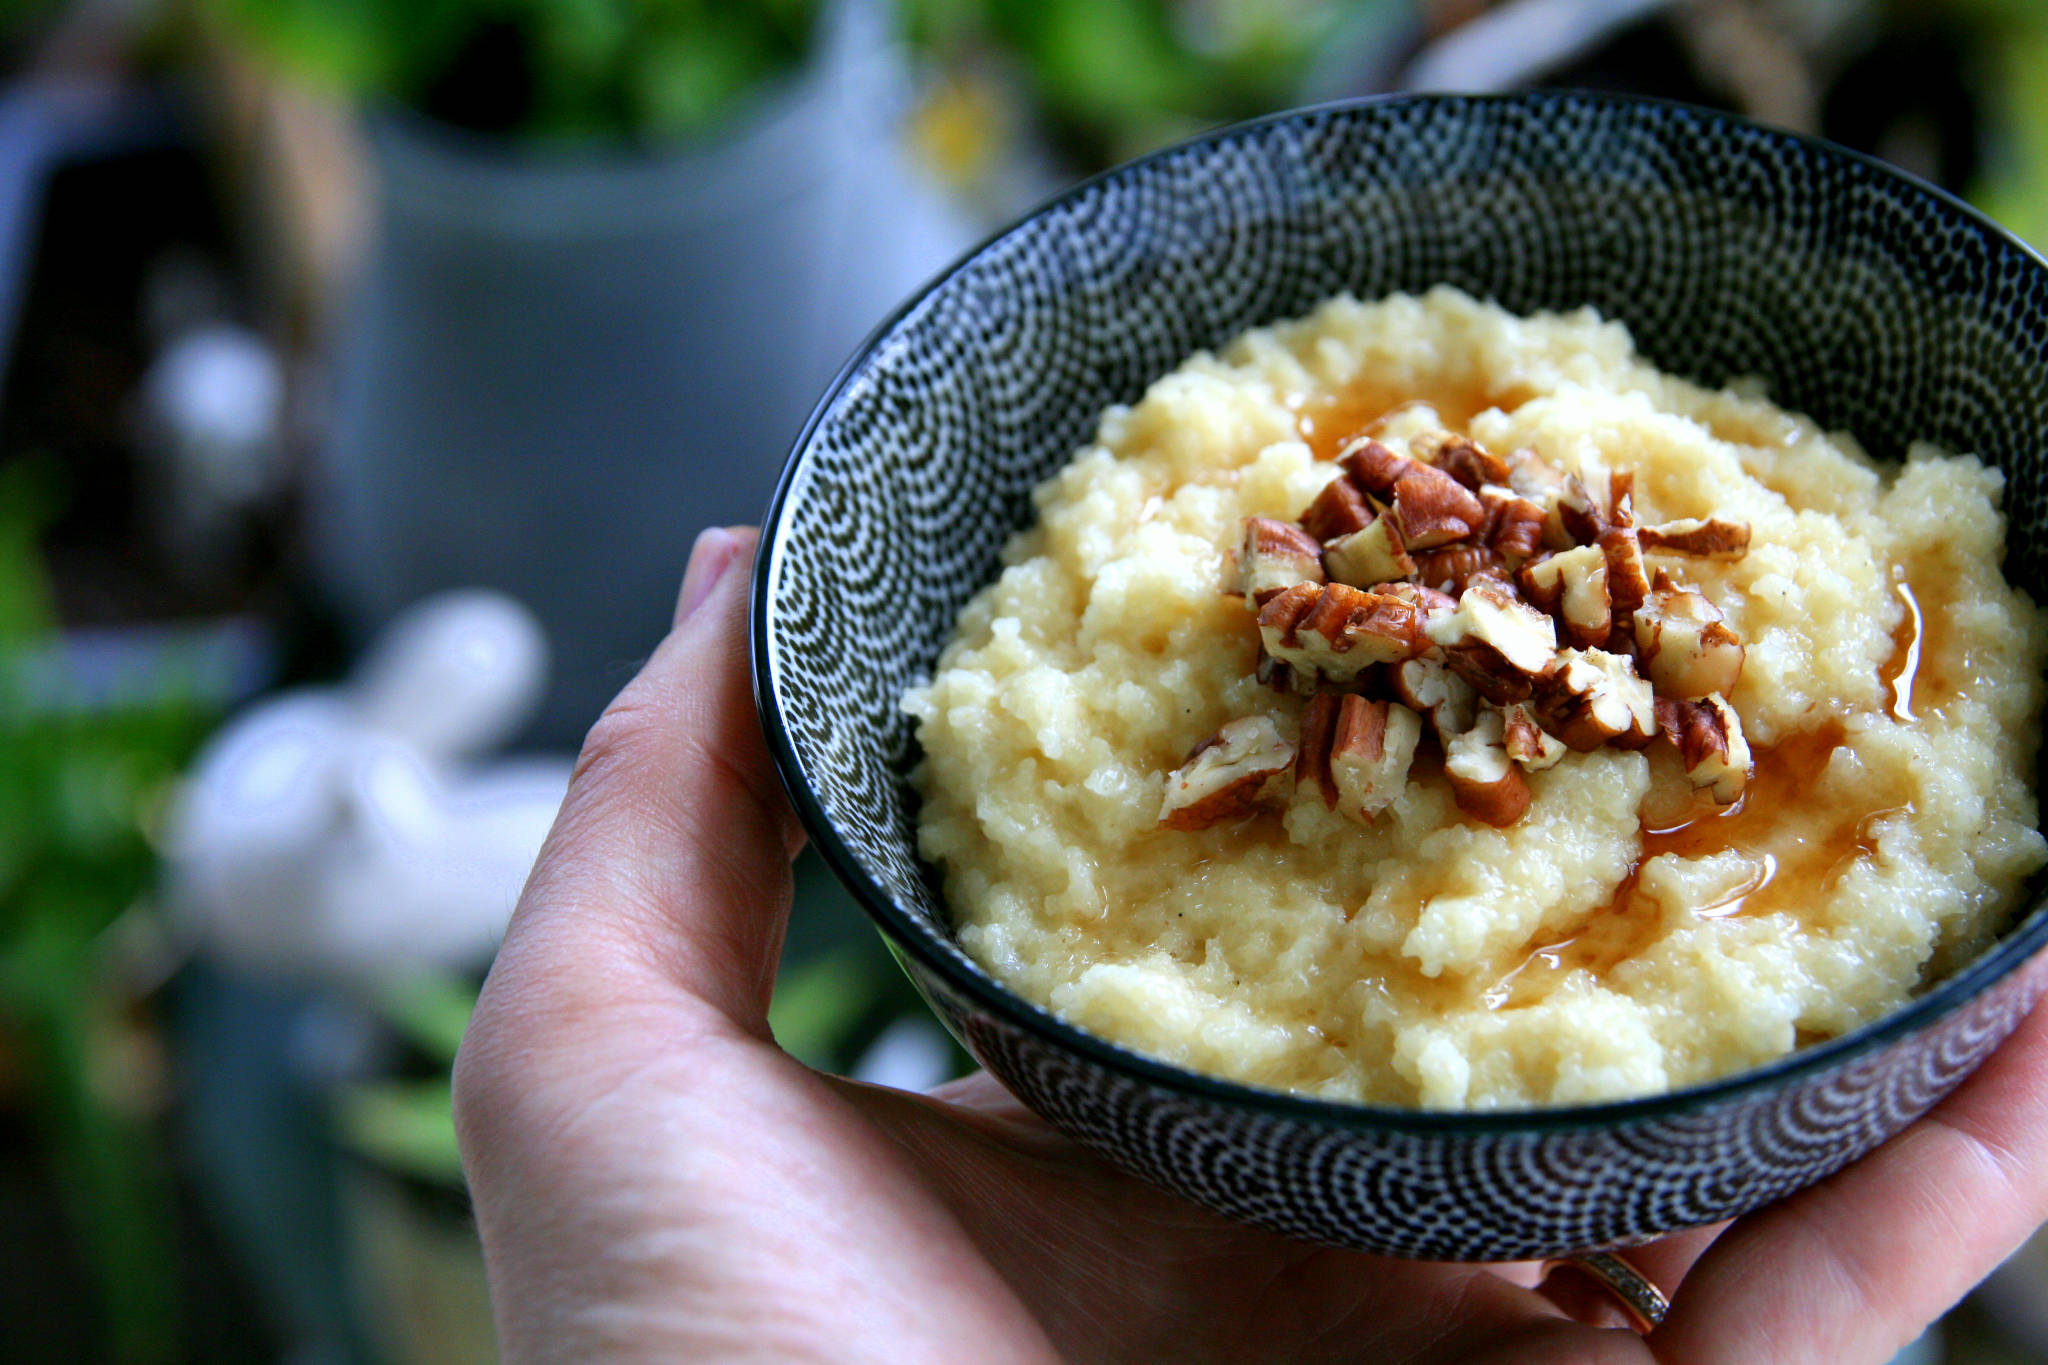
(1861, 296)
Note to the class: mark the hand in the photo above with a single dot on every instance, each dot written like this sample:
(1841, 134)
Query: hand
(655, 1180)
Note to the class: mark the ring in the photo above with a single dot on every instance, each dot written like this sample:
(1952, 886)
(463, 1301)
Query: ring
(1644, 1302)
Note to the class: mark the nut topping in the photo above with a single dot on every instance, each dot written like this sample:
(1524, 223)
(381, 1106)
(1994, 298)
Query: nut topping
(1684, 643)
(1427, 686)
(1339, 510)
(1708, 735)
(1453, 568)
(1484, 780)
(1489, 613)
(1460, 457)
(1276, 556)
(1337, 631)
(1370, 751)
(1370, 556)
(1595, 698)
(1227, 776)
(1434, 508)
(1514, 525)
(1572, 586)
(1528, 743)
(1708, 539)
(1419, 586)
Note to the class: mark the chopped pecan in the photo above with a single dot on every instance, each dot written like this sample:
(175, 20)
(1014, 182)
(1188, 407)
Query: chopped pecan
(1312, 756)
(1460, 457)
(1489, 613)
(1628, 582)
(1572, 586)
(1335, 630)
(1685, 644)
(1595, 697)
(1709, 739)
(1427, 686)
(1484, 780)
(1370, 750)
(1434, 508)
(1429, 600)
(1370, 556)
(1276, 556)
(1528, 743)
(1227, 775)
(1702, 539)
(1375, 468)
(1338, 510)
(1514, 524)
(1582, 515)
(1452, 568)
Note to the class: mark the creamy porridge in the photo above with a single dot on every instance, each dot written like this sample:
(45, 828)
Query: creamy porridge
(1475, 862)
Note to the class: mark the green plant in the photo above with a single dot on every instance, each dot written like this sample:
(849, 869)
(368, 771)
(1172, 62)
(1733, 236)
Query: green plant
(654, 70)
(79, 787)
(1113, 78)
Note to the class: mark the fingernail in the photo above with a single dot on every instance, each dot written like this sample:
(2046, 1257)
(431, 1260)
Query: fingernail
(710, 557)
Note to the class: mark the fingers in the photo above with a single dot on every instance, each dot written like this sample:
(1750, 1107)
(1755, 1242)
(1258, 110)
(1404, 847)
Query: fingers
(1857, 1266)
(669, 862)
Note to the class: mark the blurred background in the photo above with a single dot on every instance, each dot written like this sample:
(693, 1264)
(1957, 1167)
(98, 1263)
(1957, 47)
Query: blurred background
(369, 366)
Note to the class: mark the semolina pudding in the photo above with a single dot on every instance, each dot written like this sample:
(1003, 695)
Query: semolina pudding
(1414, 704)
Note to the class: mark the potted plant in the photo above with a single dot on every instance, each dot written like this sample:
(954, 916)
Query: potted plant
(616, 251)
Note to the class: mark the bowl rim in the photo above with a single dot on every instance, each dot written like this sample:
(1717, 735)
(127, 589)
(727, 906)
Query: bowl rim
(909, 933)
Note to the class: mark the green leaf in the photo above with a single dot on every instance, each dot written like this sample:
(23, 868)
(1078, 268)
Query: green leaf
(816, 1005)
(430, 1010)
(404, 1126)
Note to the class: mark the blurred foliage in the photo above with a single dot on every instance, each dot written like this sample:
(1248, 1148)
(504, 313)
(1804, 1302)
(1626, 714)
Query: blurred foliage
(2013, 41)
(651, 70)
(1113, 78)
(79, 788)
(407, 1125)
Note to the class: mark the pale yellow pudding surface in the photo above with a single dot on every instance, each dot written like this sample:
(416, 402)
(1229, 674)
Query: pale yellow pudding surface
(1625, 937)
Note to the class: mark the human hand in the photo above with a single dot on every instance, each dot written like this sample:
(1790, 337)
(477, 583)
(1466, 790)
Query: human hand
(655, 1180)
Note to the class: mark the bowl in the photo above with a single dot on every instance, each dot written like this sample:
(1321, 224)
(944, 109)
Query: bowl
(1861, 296)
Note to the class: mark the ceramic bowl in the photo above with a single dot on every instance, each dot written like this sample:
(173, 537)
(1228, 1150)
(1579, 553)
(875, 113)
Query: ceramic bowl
(1860, 296)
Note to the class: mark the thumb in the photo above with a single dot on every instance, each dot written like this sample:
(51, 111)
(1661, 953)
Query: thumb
(669, 865)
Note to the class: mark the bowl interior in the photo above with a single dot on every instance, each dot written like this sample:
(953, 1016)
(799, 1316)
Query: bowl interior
(1864, 298)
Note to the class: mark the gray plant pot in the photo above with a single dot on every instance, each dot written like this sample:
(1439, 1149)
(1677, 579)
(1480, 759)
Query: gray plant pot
(561, 367)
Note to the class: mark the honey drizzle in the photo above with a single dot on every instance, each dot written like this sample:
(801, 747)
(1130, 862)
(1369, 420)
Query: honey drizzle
(1902, 670)
(1789, 879)
(1362, 409)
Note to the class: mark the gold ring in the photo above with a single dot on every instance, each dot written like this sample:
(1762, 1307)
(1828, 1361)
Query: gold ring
(1644, 1302)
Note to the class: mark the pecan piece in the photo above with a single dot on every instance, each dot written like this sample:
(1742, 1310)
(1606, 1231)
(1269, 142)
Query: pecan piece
(1596, 697)
(1709, 739)
(1434, 508)
(1370, 556)
(1337, 631)
(1452, 568)
(1371, 746)
(1490, 614)
(1427, 686)
(1514, 524)
(1484, 780)
(1276, 556)
(1702, 539)
(1685, 644)
(1227, 775)
(1528, 743)
(1338, 510)
(1572, 586)
(1460, 457)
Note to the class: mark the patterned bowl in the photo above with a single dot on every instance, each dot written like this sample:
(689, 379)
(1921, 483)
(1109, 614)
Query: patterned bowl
(1861, 296)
